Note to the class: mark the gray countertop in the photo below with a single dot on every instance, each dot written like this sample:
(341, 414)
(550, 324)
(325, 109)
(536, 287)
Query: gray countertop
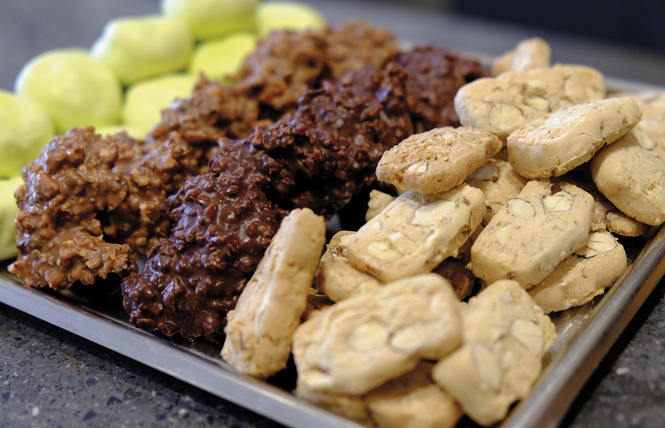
(50, 377)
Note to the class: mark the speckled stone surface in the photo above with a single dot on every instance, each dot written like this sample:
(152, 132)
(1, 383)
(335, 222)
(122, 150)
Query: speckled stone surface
(628, 389)
(52, 378)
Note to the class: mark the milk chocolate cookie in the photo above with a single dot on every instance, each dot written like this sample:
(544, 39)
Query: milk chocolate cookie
(260, 328)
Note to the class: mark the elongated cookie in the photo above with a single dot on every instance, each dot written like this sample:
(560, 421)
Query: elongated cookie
(499, 183)
(529, 54)
(583, 275)
(505, 337)
(416, 232)
(362, 342)
(437, 160)
(555, 144)
(260, 328)
(631, 174)
(537, 230)
(502, 104)
(336, 277)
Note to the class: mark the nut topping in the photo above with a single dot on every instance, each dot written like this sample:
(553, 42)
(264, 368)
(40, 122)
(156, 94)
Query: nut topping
(529, 334)
(558, 202)
(521, 208)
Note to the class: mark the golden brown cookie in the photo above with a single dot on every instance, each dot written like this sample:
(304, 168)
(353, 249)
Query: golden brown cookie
(364, 341)
(583, 275)
(505, 337)
(503, 104)
(416, 232)
(555, 144)
(259, 330)
(437, 160)
(538, 228)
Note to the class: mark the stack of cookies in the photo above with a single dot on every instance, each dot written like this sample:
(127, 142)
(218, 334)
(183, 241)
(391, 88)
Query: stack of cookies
(437, 307)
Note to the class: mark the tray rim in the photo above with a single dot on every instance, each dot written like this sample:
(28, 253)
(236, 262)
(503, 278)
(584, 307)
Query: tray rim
(547, 404)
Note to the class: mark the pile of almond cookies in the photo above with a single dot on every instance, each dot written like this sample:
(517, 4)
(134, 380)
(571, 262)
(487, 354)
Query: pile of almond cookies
(526, 199)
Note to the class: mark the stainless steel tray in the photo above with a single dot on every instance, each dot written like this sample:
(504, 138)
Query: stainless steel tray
(585, 335)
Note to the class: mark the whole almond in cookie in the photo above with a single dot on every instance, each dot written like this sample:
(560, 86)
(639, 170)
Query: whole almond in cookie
(416, 232)
(537, 230)
(259, 330)
(505, 337)
(437, 160)
(363, 341)
(503, 104)
(558, 143)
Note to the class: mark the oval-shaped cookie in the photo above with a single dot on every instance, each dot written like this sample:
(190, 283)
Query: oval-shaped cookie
(437, 160)
(555, 144)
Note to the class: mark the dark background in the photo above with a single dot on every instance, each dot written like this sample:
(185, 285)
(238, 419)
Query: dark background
(634, 22)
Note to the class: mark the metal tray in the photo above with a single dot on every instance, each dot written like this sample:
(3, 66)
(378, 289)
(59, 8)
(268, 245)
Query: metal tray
(585, 335)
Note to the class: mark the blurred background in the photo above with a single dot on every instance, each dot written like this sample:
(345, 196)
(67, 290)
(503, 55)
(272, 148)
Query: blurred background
(593, 32)
(635, 22)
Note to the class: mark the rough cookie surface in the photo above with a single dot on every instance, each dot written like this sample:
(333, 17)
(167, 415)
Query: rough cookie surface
(505, 337)
(583, 275)
(503, 104)
(416, 232)
(260, 328)
(364, 341)
(336, 277)
(631, 175)
(499, 182)
(539, 228)
(437, 160)
(555, 144)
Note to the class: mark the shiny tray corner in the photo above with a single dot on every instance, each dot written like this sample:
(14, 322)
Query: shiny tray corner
(585, 335)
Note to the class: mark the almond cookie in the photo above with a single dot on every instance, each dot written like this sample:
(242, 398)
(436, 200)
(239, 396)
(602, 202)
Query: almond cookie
(437, 160)
(366, 340)
(499, 183)
(631, 175)
(529, 54)
(416, 232)
(260, 328)
(505, 337)
(557, 143)
(336, 277)
(503, 104)
(378, 200)
(412, 399)
(583, 275)
(537, 230)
